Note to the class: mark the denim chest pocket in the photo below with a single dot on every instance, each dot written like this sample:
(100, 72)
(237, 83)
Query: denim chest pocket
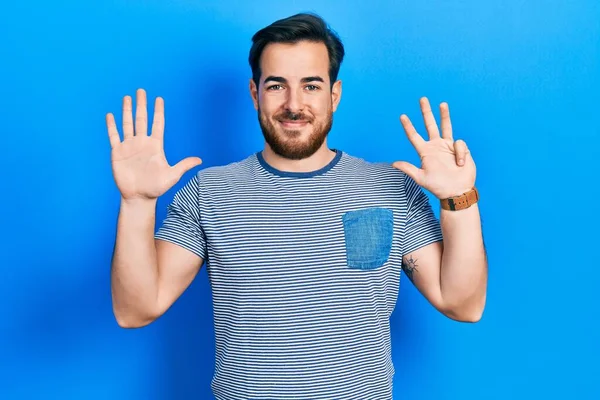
(368, 237)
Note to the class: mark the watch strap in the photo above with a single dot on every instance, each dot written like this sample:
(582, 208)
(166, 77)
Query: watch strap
(461, 202)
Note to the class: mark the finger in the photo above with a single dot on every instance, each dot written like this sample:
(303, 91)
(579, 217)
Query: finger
(127, 118)
(185, 165)
(429, 119)
(158, 123)
(113, 133)
(460, 151)
(414, 138)
(445, 121)
(415, 173)
(141, 113)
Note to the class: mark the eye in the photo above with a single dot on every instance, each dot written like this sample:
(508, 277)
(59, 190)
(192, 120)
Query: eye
(274, 87)
(312, 87)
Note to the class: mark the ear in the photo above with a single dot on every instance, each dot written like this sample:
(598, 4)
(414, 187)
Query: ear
(254, 93)
(336, 94)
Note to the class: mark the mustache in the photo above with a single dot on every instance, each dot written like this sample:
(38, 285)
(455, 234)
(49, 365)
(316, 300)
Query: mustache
(288, 115)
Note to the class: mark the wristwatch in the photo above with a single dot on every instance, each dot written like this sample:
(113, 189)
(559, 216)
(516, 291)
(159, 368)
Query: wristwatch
(460, 202)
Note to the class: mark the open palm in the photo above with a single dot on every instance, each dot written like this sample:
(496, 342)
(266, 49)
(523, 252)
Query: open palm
(139, 165)
(447, 167)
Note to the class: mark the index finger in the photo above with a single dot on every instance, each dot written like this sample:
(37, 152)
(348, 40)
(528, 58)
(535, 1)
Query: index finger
(412, 134)
(158, 122)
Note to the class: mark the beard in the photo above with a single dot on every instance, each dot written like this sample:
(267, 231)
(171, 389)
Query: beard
(287, 143)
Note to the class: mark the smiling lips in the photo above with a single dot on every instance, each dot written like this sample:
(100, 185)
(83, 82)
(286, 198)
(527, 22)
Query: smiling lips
(293, 124)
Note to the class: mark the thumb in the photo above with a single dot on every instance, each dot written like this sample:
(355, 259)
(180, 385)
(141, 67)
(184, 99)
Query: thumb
(415, 173)
(185, 165)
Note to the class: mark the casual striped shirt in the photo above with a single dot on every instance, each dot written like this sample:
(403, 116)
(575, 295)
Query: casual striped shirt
(304, 270)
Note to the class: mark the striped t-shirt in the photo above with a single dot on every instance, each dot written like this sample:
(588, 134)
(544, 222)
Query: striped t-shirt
(304, 270)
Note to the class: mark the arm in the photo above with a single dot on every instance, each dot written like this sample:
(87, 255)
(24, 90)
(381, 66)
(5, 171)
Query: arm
(147, 274)
(452, 274)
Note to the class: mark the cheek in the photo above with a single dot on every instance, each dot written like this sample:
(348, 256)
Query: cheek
(269, 105)
(321, 107)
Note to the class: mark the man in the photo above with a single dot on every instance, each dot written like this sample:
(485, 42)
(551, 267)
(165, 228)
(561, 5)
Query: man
(304, 245)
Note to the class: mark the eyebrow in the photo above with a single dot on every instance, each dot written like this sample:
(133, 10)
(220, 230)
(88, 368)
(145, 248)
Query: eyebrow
(281, 79)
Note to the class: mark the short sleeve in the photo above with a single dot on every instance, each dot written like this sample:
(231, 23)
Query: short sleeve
(422, 226)
(182, 224)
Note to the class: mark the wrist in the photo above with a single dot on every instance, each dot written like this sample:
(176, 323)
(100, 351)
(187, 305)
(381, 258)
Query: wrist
(455, 193)
(138, 202)
(460, 201)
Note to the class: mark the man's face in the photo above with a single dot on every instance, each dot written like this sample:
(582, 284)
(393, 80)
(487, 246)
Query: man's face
(294, 99)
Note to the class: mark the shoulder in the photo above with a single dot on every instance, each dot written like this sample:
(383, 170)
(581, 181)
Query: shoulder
(234, 172)
(377, 172)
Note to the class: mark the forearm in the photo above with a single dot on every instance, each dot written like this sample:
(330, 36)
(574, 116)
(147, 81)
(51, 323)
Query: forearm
(463, 277)
(134, 274)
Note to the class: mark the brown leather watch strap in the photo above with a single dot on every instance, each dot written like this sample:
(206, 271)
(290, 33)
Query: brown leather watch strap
(461, 202)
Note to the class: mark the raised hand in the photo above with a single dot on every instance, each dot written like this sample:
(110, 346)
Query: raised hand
(139, 165)
(447, 167)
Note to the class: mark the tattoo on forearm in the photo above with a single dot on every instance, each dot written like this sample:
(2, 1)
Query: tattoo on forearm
(409, 265)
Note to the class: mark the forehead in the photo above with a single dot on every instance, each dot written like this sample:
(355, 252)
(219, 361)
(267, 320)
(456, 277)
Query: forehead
(295, 60)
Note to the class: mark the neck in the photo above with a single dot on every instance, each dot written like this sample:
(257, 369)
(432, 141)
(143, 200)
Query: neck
(318, 160)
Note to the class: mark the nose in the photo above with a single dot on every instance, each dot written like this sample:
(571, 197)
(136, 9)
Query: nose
(294, 100)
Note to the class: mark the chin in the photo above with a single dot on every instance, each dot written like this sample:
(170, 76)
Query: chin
(293, 140)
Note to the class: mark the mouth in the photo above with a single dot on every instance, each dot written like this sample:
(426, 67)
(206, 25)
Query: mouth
(293, 124)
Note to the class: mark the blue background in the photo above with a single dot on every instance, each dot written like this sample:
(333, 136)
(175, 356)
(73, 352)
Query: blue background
(522, 79)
